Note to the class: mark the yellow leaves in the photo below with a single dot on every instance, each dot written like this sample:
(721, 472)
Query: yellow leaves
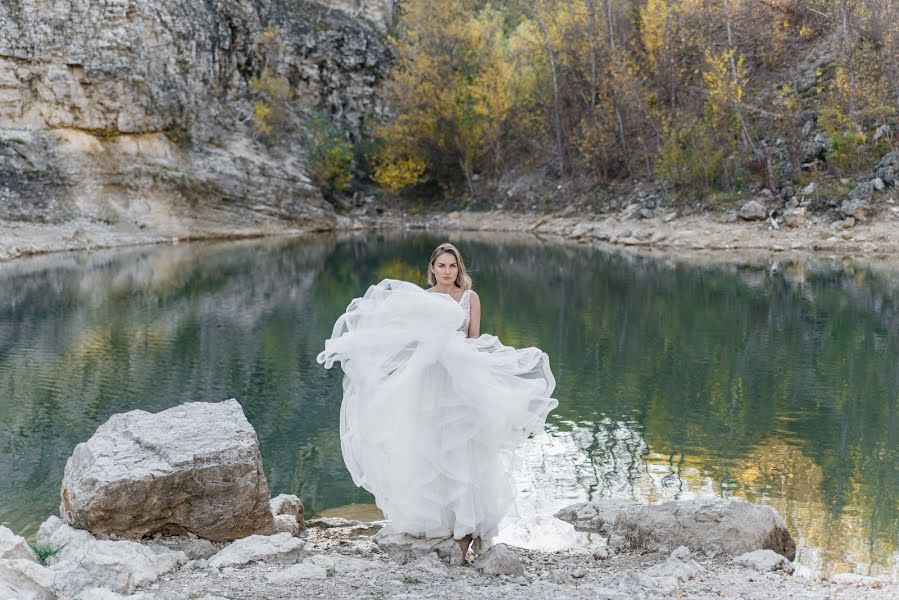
(261, 113)
(396, 174)
(654, 20)
(786, 101)
(725, 80)
(268, 111)
(452, 90)
(268, 36)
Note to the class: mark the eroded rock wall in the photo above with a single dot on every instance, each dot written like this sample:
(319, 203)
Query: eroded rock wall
(140, 113)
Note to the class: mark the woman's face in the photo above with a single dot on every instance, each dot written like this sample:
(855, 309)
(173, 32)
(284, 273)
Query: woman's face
(445, 269)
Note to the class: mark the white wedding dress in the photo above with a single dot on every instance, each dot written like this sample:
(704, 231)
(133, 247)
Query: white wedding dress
(430, 418)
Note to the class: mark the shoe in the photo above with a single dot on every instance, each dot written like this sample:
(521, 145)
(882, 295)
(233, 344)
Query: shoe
(464, 544)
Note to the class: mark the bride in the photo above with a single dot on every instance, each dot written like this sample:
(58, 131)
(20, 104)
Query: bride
(432, 411)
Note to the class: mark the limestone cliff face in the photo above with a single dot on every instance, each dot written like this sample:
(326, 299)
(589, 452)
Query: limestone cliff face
(139, 113)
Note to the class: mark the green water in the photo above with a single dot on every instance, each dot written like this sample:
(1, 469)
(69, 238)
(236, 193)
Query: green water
(775, 381)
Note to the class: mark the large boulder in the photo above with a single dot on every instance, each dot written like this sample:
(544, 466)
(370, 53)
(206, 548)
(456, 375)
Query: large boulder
(727, 526)
(194, 468)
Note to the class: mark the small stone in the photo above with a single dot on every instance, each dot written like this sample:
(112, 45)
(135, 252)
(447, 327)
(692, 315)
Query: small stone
(331, 522)
(286, 504)
(677, 568)
(287, 524)
(404, 548)
(809, 189)
(500, 560)
(878, 184)
(764, 561)
(257, 547)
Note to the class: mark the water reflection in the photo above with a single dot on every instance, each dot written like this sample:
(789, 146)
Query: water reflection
(772, 380)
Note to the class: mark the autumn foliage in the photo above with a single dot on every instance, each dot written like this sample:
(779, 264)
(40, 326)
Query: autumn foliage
(696, 92)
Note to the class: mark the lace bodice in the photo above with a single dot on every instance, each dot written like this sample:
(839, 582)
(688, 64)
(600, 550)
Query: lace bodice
(465, 303)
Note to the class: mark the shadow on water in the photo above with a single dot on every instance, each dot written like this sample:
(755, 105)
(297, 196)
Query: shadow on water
(766, 380)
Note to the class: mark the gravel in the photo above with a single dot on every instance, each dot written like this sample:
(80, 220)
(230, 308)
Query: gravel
(339, 563)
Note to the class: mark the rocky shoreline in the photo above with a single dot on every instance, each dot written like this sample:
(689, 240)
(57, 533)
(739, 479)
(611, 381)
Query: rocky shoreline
(336, 559)
(669, 230)
(345, 562)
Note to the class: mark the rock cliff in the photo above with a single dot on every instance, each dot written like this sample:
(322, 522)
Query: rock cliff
(178, 118)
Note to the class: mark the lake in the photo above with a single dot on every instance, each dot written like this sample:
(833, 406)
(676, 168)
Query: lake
(770, 379)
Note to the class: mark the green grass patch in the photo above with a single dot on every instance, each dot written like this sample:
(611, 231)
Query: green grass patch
(45, 553)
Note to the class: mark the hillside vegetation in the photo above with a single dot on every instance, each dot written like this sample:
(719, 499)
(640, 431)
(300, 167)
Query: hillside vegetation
(706, 97)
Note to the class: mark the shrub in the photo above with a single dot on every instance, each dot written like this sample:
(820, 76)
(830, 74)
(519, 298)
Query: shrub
(329, 155)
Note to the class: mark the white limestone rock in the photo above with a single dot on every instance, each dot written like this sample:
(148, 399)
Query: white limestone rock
(500, 560)
(404, 548)
(24, 579)
(14, 546)
(682, 570)
(343, 564)
(287, 524)
(598, 515)
(47, 529)
(120, 566)
(192, 468)
(632, 583)
(258, 547)
(193, 547)
(331, 522)
(288, 504)
(764, 561)
(729, 526)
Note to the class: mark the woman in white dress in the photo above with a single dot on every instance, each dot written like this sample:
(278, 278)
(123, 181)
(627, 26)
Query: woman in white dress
(433, 411)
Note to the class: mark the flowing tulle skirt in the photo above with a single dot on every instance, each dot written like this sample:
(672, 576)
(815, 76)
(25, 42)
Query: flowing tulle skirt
(430, 419)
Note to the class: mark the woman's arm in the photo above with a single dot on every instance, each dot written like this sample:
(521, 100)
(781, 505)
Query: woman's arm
(474, 326)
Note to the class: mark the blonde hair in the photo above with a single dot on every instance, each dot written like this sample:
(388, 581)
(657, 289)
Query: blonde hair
(463, 280)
